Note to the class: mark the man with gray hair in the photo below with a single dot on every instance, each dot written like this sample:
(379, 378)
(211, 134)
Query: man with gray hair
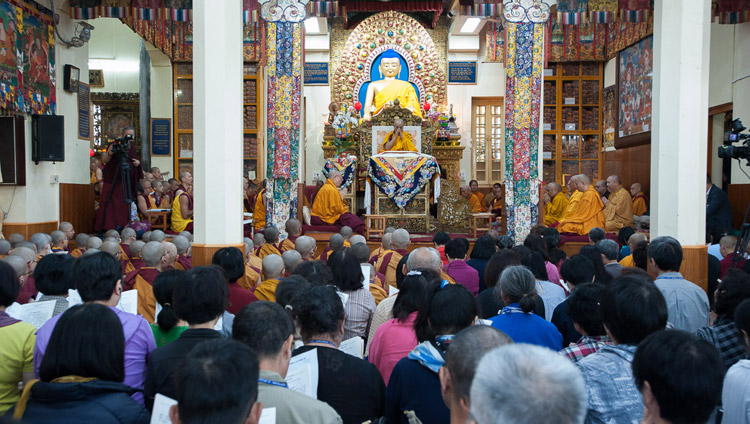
(306, 246)
(59, 243)
(291, 259)
(154, 256)
(686, 302)
(521, 383)
(273, 271)
(610, 251)
(42, 242)
(467, 349)
(596, 235)
(388, 262)
(184, 261)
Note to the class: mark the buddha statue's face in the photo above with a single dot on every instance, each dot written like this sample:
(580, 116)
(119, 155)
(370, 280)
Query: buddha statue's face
(390, 67)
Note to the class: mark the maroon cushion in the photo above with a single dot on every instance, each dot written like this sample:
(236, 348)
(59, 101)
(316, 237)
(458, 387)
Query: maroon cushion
(320, 228)
(310, 191)
(576, 238)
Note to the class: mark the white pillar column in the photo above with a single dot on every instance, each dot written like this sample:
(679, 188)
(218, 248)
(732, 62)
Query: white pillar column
(680, 106)
(217, 121)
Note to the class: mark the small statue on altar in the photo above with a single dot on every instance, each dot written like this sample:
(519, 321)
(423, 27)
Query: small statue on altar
(397, 139)
(333, 109)
(385, 91)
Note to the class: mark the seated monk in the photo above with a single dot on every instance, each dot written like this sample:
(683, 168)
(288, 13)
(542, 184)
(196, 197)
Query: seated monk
(618, 208)
(476, 205)
(574, 199)
(182, 205)
(377, 281)
(127, 237)
(388, 262)
(385, 246)
(253, 265)
(258, 241)
(158, 198)
(306, 246)
(474, 186)
(81, 240)
(601, 188)
(291, 259)
(589, 214)
(633, 242)
(259, 209)
(497, 201)
(154, 255)
(171, 256)
(272, 245)
(251, 193)
(335, 242)
(293, 230)
(134, 262)
(272, 270)
(555, 204)
(390, 88)
(398, 140)
(59, 243)
(183, 261)
(4, 248)
(346, 232)
(94, 242)
(329, 207)
(65, 227)
(640, 201)
(114, 235)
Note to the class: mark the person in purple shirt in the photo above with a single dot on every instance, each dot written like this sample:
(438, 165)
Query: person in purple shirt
(98, 278)
(458, 269)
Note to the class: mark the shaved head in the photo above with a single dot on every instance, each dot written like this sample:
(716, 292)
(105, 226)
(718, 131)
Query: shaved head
(400, 239)
(146, 237)
(126, 233)
(635, 239)
(553, 188)
(171, 252)
(4, 247)
(346, 232)
(81, 239)
(27, 244)
(91, 252)
(112, 233)
(16, 238)
(17, 263)
(182, 244)
(291, 259)
(336, 241)
(152, 253)
(728, 242)
(111, 247)
(273, 266)
(386, 242)
(58, 237)
(65, 226)
(157, 235)
(93, 243)
(293, 227)
(271, 234)
(187, 234)
(424, 258)
(583, 180)
(259, 239)
(135, 248)
(306, 246)
(41, 241)
(357, 239)
(27, 254)
(389, 230)
(614, 178)
(636, 187)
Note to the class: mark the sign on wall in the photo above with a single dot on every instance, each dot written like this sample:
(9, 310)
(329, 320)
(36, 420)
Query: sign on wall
(316, 73)
(161, 136)
(84, 111)
(462, 72)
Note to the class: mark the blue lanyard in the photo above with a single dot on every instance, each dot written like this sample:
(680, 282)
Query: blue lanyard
(324, 342)
(273, 383)
(669, 278)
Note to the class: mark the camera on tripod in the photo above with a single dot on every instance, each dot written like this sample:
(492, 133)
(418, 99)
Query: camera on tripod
(737, 152)
(122, 144)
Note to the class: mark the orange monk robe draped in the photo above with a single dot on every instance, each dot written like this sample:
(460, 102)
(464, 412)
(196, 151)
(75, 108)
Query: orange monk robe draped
(619, 211)
(387, 264)
(573, 202)
(376, 254)
(628, 261)
(328, 204)
(77, 252)
(286, 245)
(401, 90)
(640, 204)
(267, 290)
(403, 144)
(259, 214)
(588, 216)
(268, 249)
(480, 197)
(143, 281)
(378, 293)
(252, 274)
(476, 204)
(554, 210)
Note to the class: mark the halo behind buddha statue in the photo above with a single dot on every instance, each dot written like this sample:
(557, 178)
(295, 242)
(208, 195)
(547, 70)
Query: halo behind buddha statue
(388, 84)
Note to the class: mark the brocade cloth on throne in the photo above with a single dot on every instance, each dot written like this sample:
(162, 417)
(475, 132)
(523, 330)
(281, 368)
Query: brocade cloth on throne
(347, 166)
(401, 176)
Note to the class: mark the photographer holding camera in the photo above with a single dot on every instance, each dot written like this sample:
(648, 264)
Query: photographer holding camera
(122, 170)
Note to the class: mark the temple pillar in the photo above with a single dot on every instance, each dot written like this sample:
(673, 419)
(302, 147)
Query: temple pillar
(217, 83)
(678, 151)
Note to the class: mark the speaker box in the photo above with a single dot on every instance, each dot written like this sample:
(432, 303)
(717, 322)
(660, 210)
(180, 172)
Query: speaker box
(47, 138)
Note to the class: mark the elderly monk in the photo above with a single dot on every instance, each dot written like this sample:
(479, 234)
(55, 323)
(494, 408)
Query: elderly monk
(474, 186)
(555, 204)
(633, 242)
(273, 270)
(589, 213)
(601, 188)
(388, 262)
(306, 247)
(293, 230)
(476, 205)
(640, 201)
(329, 207)
(253, 265)
(272, 245)
(575, 197)
(398, 140)
(182, 205)
(183, 261)
(618, 209)
(155, 257)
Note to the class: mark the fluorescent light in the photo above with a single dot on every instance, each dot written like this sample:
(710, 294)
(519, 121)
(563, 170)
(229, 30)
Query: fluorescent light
(470, 25)
(122, 66)
(312, 26)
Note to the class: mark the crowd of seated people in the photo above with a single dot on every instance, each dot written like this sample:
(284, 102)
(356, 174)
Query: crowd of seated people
(484, 332)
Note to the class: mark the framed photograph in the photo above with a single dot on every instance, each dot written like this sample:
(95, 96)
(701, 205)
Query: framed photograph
(634, 86)
(71, 76)
(96, 78)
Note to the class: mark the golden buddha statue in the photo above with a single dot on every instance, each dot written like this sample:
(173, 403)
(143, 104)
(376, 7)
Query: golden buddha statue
(385, 91)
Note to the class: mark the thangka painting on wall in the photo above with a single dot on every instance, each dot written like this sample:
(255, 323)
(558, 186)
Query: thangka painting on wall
(609, 111)
(634, 88)
(27, 58)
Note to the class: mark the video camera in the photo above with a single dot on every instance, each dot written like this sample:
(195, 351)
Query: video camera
(737, 152)
(122, 144)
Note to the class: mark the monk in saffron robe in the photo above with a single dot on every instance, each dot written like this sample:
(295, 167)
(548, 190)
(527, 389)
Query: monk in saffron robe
(474, 186)
(497, 201)
(335, 242)
(640, 201)
(253, 265)
(259, 213)
(385, 246)
(182, 206)
(293, 230)
(184, 261)
(329, 208)
(476, 205)
(398, 140)
(556, 203)
(273, 270)
(390, 88)
(388, 262)
(575, 197)
(155, 257)
(618, 208)
(272, 245)
(589, 213)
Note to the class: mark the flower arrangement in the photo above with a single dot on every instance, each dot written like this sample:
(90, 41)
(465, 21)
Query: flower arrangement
(342, 124)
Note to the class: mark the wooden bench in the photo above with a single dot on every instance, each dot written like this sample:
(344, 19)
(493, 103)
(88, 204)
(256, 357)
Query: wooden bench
(374, 226)
(159, 220)
(477, 219)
